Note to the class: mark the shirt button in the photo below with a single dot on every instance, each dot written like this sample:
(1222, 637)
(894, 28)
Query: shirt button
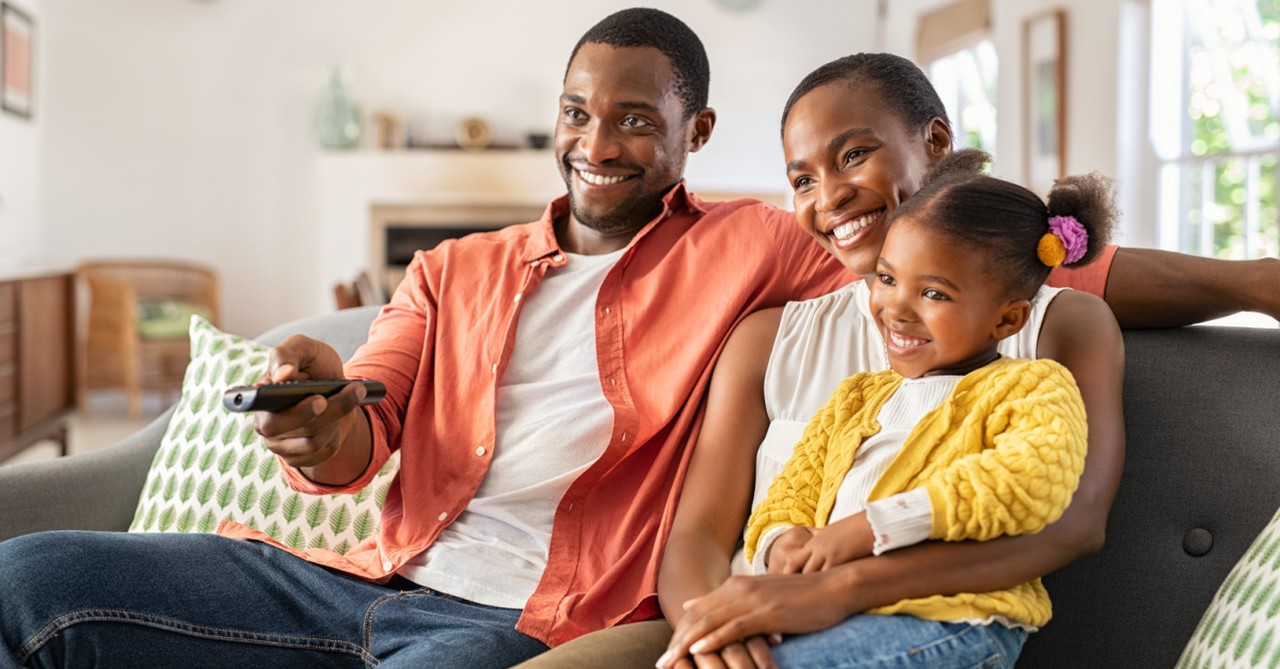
(387, 565)
(495, 368)
(558, 257)
(480, 451)
(517, 297)
(613, 381)
(443, 516)
(624, 436)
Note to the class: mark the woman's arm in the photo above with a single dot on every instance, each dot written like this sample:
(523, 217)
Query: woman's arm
(716, 495)
(1080, 332)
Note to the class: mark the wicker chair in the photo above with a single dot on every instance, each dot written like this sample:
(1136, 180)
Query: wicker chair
(120, 350)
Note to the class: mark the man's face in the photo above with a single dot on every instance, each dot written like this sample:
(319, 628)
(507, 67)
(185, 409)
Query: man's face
(621, 136)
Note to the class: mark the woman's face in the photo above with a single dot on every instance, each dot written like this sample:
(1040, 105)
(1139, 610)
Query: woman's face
(850, 162)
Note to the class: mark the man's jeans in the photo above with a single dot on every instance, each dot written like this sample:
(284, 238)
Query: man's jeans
(83, 599)
(882, 642)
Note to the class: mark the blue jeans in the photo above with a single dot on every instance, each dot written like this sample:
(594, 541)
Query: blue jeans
(82, 599)
(884, 642)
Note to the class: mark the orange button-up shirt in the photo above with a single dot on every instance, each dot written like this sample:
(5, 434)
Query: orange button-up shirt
(663, 314)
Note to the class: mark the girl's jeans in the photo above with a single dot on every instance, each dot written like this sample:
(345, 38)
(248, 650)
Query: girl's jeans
(83, 599)
(884, 642)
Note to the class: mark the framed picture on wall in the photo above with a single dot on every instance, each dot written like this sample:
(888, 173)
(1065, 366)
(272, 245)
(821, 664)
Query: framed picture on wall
(16, 34)
(1044, 99)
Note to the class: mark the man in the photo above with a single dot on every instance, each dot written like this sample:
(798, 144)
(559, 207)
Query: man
(543, 382)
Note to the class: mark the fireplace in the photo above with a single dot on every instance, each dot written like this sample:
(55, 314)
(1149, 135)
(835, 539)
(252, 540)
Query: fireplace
(398, 230)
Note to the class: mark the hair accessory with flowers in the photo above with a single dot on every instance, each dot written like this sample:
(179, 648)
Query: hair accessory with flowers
(1066, 242)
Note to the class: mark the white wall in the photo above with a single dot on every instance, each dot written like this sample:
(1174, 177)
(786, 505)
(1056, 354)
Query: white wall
(182, 128)
(21, 154)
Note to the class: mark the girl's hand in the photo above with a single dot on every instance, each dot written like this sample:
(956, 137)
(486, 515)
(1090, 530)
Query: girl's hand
(840, 542)
(751, 606)
(788, 553)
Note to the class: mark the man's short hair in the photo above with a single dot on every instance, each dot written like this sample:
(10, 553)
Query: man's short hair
(644, 27)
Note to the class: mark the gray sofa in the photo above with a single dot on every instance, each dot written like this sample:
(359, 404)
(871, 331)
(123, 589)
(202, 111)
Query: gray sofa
(1202, 407)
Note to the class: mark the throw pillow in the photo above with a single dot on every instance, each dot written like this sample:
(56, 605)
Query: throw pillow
(1241, 627)
(212, 465)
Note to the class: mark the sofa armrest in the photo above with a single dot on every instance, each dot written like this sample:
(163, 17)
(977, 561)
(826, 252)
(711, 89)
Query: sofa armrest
(92, 491)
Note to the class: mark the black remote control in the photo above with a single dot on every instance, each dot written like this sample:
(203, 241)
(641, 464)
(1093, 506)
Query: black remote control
(281, 396)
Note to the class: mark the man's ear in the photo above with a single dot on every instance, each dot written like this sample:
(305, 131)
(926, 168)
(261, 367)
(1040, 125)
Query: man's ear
(700, 128)
(938, 140)
(1013, 317)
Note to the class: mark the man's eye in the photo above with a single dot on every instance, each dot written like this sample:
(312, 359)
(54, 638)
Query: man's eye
(634, 122)
(801, 182)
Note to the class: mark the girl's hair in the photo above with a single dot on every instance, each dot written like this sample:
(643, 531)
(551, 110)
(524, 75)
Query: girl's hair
(897, 81)
(1006, 221)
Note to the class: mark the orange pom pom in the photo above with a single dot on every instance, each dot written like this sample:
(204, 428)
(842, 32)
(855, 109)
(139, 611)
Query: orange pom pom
(1051, 250)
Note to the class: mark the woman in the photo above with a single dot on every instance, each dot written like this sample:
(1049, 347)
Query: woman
(851, 165)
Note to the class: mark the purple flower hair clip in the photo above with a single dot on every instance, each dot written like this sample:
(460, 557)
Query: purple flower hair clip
(1075, 239)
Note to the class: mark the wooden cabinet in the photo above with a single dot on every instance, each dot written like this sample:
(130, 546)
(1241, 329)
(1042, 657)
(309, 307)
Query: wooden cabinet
(37, 364)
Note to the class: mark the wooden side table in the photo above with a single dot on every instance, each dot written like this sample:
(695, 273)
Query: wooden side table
(37, 359)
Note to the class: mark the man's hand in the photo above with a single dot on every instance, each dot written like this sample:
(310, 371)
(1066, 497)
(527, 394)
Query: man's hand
(311, 435)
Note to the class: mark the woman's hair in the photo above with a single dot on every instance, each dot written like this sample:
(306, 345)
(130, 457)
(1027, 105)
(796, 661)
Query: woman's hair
(1009, 223)
(644, 27)
(897, 81)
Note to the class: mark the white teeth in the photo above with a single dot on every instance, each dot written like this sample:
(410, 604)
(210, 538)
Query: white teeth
(599, 180)
(847, 230)
(903, 341)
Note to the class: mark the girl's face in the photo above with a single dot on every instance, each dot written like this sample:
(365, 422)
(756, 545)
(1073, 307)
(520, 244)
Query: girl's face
(939, 307)
(850, 162)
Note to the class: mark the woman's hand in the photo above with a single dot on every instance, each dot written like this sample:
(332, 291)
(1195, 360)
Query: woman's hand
(752, 606)
(750, 654)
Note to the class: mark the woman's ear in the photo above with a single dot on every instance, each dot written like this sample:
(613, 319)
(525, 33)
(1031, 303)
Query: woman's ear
(1013, 317)
(700, 128)
(938, 139)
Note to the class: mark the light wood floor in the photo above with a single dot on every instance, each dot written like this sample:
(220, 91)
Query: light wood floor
(105, 422)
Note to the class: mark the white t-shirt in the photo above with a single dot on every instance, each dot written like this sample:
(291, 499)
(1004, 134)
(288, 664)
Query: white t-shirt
(552, 423)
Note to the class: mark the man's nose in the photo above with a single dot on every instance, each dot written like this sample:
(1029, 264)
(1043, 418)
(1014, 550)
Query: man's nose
(599, 143)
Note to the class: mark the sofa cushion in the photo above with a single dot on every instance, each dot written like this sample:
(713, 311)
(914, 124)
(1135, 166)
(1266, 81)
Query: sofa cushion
(212, 465)
(1241, 628)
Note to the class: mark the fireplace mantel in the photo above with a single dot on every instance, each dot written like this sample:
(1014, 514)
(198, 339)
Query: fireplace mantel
(350, 185)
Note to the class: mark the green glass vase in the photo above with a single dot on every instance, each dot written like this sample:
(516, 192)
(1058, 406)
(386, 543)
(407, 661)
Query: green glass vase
(337, 116)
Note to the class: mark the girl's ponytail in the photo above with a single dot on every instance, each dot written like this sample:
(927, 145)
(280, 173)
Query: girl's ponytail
(1082, 216)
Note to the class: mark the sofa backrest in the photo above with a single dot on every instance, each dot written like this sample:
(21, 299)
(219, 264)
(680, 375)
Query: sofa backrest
(1201, 479)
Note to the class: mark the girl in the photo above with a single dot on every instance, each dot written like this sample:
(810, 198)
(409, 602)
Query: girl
(953, 442)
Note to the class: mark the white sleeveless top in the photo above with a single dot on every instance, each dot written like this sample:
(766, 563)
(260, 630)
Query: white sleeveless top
(823, 341)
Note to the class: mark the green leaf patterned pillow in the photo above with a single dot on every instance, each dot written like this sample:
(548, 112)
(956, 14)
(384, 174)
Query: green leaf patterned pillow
(1241, 628)
(212, 465)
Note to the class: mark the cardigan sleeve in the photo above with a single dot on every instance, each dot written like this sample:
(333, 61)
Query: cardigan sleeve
(1035, 437)
(793, 496)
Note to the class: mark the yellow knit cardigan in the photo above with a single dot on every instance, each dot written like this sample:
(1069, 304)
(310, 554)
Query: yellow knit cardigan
(1001, 456)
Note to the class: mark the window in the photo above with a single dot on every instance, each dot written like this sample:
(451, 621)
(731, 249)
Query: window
(1215, 125)
(956, 52)
(966, 82)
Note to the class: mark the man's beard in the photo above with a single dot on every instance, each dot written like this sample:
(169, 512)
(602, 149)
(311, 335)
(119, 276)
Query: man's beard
(630, 214)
